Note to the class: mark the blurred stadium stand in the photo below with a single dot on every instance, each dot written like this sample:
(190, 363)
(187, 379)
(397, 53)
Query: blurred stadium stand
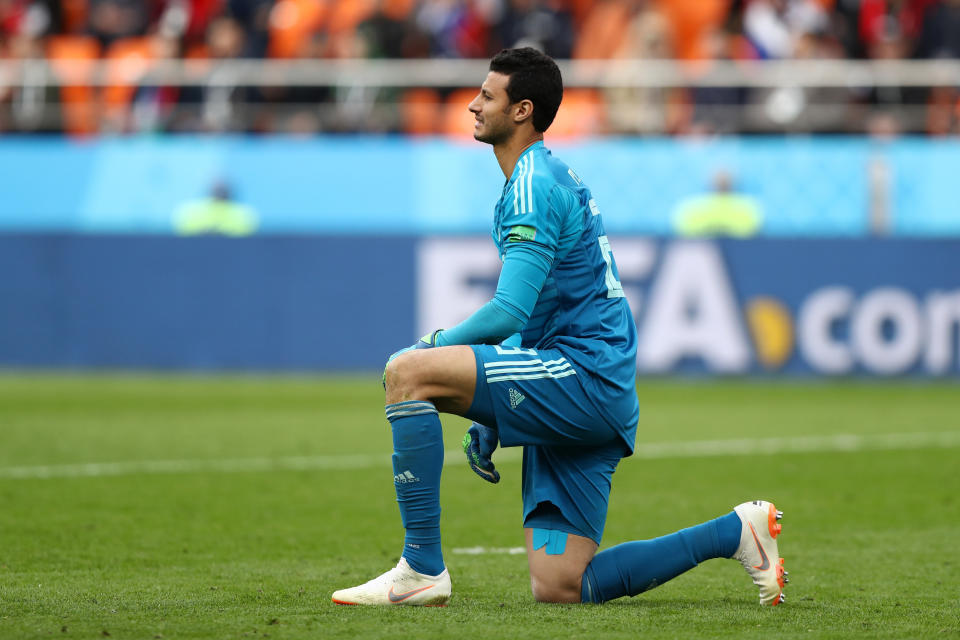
(665, 67)
(834, 124)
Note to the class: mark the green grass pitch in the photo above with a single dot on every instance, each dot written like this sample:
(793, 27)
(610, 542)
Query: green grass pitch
(234, 506)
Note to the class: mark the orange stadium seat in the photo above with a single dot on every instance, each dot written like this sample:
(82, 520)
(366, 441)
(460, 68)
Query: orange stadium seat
(690, 20)
(73, 58)
(292, 24)
(128, 59)
(603, 31)
(457, 121)
(398, 9)
(420, 110)
(345, 16)
(580, 9)
(581, 113)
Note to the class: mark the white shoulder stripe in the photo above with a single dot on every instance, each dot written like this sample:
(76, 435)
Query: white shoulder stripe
(524, 167)
(530, 184)
(516, 190)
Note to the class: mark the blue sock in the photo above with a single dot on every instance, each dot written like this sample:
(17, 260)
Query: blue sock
(417, 462)
(634, 567)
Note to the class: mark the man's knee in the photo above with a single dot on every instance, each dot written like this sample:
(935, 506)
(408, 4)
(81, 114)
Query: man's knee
(401, 377)
(445, 376)
(555, 589)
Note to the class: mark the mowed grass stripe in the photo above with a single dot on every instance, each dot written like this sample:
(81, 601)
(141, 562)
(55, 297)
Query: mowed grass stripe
(644, 451)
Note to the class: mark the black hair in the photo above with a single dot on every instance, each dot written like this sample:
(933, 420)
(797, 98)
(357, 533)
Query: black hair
(534, 76)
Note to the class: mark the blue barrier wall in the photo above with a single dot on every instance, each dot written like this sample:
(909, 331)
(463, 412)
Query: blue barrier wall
(763, 307)
(204, 303)
(808, 186)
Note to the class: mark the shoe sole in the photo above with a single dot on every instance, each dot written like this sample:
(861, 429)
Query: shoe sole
(775, 528)
(357, 604)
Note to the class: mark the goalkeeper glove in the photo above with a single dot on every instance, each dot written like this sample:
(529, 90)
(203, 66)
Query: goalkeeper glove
(479, 443)
(426, 342)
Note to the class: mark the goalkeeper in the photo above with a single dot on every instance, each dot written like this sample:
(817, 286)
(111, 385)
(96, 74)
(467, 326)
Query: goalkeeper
(566, 393)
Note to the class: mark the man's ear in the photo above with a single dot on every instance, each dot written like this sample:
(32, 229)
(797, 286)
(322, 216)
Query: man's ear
(522, 111)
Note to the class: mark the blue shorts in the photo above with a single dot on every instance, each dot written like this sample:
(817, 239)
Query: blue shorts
(538, 399)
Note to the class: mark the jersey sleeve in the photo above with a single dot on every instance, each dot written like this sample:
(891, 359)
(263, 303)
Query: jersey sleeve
(522, 277)
(534, 217)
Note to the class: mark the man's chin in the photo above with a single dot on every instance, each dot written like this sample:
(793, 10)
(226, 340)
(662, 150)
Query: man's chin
(485, 138)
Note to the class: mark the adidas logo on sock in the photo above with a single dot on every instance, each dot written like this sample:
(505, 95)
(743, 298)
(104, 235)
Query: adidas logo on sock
(515, 398)
(405, 478)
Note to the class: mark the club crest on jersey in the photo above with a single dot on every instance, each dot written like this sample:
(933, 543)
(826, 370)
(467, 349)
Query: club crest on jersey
(515, 397)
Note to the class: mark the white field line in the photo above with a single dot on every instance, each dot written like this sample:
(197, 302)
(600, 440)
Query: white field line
(482, 551)
(646, 451)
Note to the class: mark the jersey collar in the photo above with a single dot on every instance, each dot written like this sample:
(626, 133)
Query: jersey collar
(516, 168)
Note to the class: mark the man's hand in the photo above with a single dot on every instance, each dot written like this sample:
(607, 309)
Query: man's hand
(479, 443)
(426, 342)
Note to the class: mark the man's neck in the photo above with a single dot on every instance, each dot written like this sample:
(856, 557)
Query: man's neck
(508, 152)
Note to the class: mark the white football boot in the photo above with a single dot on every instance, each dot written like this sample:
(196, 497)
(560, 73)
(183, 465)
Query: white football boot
(758, 549)
(400, 585)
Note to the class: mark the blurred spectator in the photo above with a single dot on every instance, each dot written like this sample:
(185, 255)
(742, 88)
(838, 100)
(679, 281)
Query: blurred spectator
(940, 33)
(689, 20)
(717, 110)
(801, 109)
(27, 108)
(131, 34)
(543, 24)
(722, 212)
(110, 20)
(844, 19)
(383, 34)
(458, 28)
(880, 18)
(23, 27)
(152, 108)
(899, 108)
(943, 111)
(775, 26)
(631, 30)
(224, 104)
(253, 16)
(216, 214)
(32, 18)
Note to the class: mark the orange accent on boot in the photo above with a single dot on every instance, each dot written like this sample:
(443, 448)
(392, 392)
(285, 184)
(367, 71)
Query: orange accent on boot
(772, 524)
(335, 601)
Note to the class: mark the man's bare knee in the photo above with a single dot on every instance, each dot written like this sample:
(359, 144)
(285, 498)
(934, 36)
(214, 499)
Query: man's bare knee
(555, 591)
(444, 375)
(401, 379)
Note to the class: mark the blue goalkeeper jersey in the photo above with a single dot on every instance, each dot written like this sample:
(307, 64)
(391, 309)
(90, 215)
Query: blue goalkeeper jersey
(581, 308)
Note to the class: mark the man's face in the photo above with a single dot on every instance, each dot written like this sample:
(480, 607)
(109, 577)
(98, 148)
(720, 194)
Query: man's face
(492, 110)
